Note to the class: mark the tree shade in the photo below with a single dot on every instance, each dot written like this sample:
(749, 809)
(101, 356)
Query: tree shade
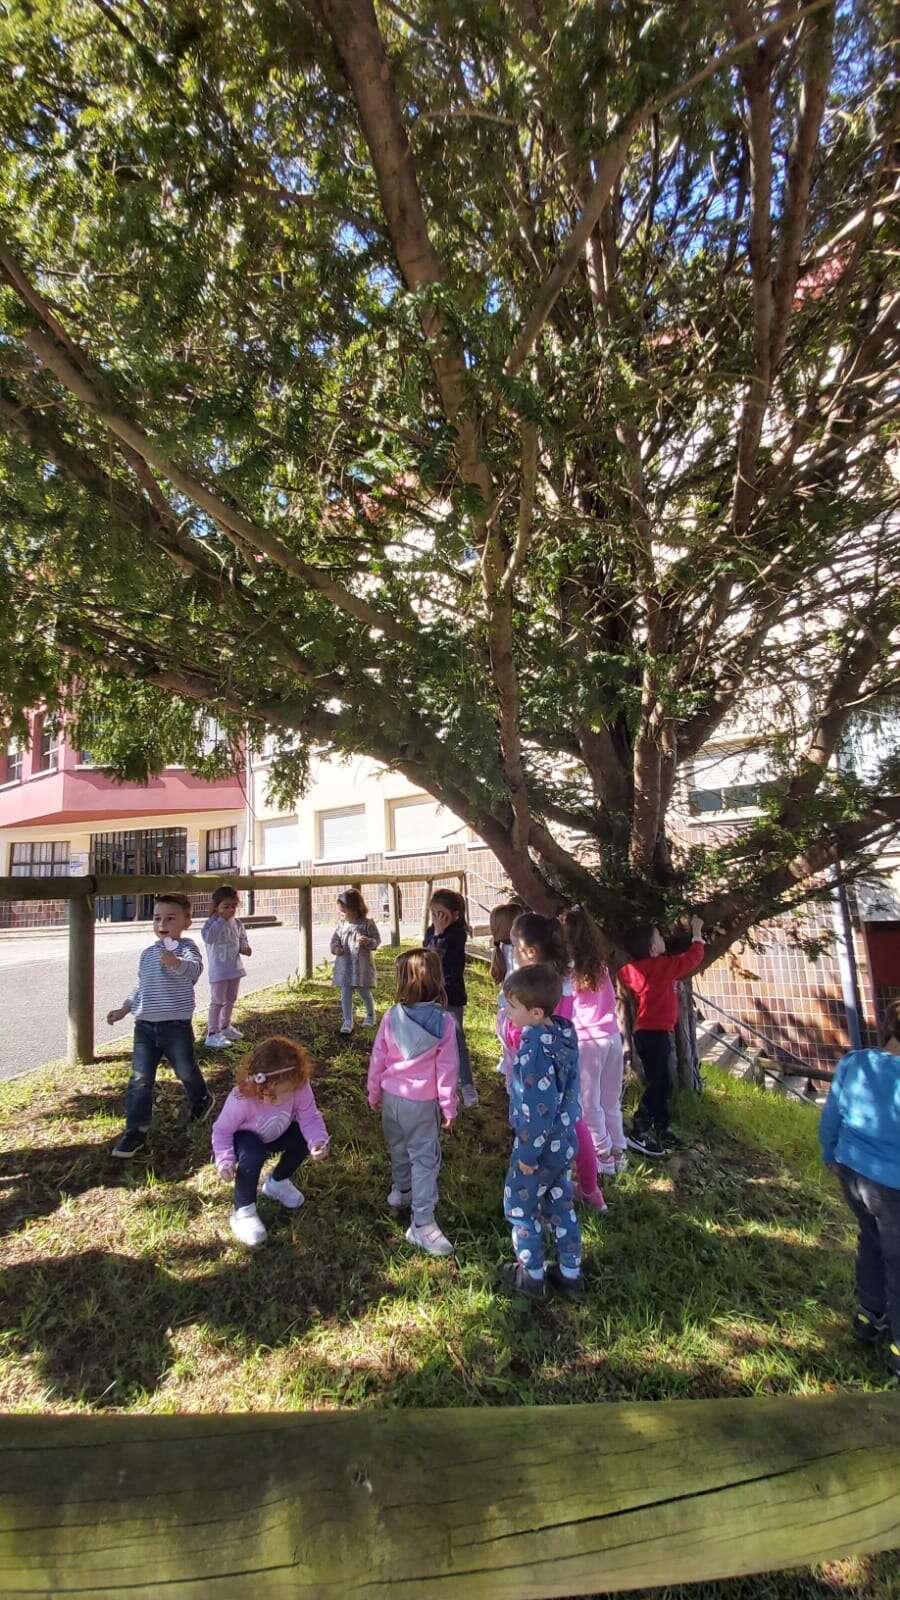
(506, 391)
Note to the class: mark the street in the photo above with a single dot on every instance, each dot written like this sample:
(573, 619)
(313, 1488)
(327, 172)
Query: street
(33, 985)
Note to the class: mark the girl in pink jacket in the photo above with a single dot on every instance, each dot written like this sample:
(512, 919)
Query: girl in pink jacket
(271, 1111)
(589, 1001)
(413, 1077)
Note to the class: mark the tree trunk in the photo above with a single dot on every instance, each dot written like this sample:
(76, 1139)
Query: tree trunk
(687, 1061)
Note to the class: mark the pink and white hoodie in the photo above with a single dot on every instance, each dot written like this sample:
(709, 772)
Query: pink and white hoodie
(268, 1119)
(416, 1057)
(592, 1011)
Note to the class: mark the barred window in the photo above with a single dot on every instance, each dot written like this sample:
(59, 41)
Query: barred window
(47, 859)
(221, 850)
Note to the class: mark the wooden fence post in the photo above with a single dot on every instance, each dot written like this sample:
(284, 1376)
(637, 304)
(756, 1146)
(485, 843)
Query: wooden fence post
(394, 902)
(81, 981)
(305, 918)
(426, 909)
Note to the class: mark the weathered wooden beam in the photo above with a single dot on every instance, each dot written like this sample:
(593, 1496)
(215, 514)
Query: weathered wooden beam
(475, 1504)
(190, 883)
(81, 982)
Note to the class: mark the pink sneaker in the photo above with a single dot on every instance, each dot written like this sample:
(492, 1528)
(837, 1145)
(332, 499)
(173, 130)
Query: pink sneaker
(595, 1200)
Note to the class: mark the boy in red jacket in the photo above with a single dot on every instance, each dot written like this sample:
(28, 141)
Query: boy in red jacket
(651, 976)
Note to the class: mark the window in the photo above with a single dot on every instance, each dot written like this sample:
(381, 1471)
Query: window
(341, 834)
(50, 859)
(281, 843)
(221, 850)
(13, 764)
(419, 825)
(730, 780)
(49, 749)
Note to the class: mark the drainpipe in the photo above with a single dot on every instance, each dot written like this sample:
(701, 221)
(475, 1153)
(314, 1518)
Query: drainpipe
(843, 932)
(249, 841)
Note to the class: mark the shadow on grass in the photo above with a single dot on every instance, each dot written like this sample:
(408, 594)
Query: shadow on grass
(712, 1276)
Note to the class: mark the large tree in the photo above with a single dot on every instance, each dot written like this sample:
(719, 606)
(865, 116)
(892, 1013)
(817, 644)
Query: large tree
(506, 390)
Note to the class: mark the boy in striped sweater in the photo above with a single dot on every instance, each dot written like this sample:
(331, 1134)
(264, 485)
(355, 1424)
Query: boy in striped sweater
(162, 1004)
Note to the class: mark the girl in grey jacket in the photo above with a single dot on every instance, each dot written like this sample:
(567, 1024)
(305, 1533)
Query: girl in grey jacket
(352, 943)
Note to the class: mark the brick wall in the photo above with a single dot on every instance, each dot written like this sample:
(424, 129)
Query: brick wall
(33, 913)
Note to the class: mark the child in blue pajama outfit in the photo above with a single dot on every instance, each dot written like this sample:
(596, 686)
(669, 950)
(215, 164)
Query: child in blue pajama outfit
(544, 1106)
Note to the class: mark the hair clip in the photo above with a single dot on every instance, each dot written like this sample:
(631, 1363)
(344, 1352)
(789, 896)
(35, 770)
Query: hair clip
(277, 1072)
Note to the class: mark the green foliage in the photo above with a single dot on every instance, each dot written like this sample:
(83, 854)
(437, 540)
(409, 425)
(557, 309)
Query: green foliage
(192, 191)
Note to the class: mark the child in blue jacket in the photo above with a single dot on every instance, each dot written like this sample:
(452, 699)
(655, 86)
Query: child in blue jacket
(860, 1137)
(544, 1106)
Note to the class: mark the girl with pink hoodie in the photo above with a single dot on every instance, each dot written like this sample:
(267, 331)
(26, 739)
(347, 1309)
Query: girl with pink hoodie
(413, 1078)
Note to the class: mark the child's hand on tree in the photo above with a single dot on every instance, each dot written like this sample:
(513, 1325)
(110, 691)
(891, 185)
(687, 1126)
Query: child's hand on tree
(696, 927)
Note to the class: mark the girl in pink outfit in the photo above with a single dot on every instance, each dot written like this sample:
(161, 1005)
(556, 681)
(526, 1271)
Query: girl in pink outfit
(589, 1001)
(537, 940)
(271, 1110)
(413, 1078)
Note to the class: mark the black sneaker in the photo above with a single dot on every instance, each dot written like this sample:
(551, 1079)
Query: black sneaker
(201, 1112)
(670, 1141)
(515, 1281)
(893, 1355)
(646, 1144)
(572, 1288)
(868, 1328)
(132, 1142)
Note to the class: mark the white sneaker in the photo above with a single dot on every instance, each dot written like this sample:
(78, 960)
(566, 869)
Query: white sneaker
(607, 1166)
(346, 1028)
(247, 1226)
(285, 1192)
(621, 1160)
(429, 1238)
(400, 1199)
(217, 1041)
(469, 1095)
(232, 1033)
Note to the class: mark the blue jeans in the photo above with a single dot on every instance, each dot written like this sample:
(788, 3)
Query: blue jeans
(347, 1003)
(152, 1041)
(877, 1212)
(465, 1062)
(251, 1152)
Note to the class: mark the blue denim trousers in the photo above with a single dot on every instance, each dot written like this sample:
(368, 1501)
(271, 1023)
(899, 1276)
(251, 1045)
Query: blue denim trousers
(153, 1041)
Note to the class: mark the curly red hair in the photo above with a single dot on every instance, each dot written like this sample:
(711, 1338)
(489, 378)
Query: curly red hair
(284, 1064)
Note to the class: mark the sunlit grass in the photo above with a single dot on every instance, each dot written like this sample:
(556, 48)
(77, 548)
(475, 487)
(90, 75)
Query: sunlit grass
(728, 1272)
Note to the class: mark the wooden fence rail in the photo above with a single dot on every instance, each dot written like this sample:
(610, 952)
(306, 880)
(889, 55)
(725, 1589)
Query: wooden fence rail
(477, 1504)
(80, 893)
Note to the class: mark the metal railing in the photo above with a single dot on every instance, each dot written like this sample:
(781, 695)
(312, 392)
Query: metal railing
(806, 1071)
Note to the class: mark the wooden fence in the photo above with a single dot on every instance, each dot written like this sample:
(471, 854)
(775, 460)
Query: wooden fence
(80, 893)
(478, 1504)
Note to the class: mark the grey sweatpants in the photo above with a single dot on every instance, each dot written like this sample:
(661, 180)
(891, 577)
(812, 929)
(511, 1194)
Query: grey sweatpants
(412, 1131)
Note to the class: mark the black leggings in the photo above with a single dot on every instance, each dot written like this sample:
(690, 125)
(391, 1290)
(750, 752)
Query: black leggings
(251, 1152)
(654, 1046)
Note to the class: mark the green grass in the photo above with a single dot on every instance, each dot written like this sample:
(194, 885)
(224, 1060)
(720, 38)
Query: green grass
(726, 1273)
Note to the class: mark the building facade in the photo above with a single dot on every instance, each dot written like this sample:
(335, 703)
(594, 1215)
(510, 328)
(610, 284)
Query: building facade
(61, 815)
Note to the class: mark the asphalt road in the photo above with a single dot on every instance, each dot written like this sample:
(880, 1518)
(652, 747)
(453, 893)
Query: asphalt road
(33, 986)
